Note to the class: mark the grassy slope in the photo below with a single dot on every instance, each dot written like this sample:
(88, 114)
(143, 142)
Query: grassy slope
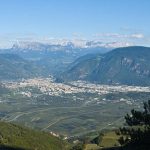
(92, 147)
(109, 140)
(16, 136)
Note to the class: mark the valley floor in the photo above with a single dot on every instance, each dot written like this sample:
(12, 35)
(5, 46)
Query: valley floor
(68, 109)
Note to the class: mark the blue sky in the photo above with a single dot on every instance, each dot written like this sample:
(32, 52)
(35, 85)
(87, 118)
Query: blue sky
(109, 20)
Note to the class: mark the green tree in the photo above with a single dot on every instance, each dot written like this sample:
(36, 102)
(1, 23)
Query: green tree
(138, 132)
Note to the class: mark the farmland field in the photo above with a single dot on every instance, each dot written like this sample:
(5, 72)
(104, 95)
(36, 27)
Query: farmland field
(68, 113)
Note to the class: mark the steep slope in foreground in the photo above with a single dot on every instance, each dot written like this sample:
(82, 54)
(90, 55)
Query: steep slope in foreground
(129, 65)
(17, 137)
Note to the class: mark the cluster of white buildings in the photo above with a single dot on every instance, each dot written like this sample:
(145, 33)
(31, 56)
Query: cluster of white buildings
(48, 86)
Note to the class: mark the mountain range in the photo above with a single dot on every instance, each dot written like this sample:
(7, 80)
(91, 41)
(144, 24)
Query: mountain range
(13, 66)
(46, 58)
(128, 65)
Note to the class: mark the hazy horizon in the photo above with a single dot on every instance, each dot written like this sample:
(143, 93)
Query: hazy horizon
(125, 22)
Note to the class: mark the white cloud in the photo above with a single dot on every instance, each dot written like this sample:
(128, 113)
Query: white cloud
(137, 36)
(118, 44)
(118, 35)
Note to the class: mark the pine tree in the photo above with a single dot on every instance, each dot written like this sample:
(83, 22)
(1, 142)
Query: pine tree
(138, 133)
